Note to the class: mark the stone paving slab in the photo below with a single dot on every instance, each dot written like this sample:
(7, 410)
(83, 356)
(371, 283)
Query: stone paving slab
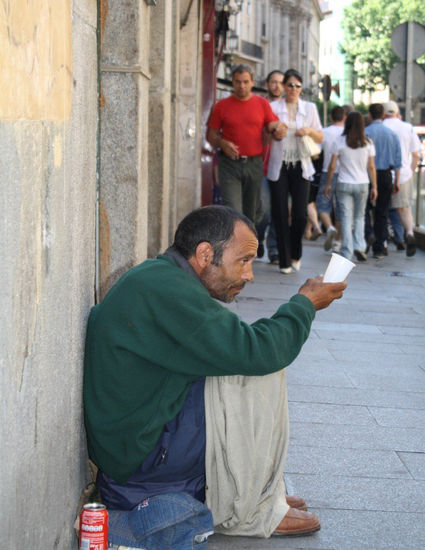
(400, 418)
(413, 348)
(401, 376)
(316, 348)
(356, 396)
(347, 313)
(407, 331)
(375, 358)
(357, 405)
(391, 307)
(318, 374)
(415, 463)
(357, 437)
(362, 333)
(344, 330)
(339, 461)
(403, 319)
(332, 414)
(361, 345)
(359, 493)
(344, 530)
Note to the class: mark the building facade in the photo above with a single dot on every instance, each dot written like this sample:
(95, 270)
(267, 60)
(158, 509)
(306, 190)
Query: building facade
(275, 34)
(100, 132)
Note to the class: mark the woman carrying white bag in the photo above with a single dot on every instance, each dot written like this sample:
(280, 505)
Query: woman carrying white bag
(291, 169)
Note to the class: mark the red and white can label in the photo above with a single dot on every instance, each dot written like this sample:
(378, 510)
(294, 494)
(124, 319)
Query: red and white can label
(94, 527)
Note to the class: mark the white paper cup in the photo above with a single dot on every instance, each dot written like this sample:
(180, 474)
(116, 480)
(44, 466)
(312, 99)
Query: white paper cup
(338, 269)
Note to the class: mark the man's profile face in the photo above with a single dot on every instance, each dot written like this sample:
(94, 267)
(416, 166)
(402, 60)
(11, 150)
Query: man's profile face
(242, 85)
(275, 86)
(224, 282)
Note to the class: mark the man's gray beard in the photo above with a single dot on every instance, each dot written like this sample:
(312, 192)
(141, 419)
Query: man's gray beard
(227, 298)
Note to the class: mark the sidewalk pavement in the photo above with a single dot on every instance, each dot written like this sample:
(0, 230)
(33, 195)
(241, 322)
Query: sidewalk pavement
(357, 405)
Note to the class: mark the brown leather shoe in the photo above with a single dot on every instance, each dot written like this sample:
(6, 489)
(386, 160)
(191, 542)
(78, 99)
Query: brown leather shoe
(296, 522)
(296, 502)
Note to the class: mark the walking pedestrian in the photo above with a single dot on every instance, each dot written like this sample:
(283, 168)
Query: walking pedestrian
(410, 148)
(355, 153)
(236, 126)
(326, 205)
(264, 223)
(290, 172)
(387, 158)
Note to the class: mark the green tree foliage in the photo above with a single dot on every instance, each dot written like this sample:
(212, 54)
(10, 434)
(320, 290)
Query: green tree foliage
(368, 25)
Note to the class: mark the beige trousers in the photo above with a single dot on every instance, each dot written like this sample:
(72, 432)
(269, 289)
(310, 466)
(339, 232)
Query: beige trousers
(247, 428)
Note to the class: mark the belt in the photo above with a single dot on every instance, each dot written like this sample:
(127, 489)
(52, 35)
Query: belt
(245, 158)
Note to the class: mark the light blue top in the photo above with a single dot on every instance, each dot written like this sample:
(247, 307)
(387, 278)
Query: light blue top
(387, 146)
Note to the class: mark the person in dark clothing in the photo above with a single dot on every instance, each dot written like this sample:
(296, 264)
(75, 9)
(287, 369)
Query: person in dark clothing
(290, 171)
(387, 158)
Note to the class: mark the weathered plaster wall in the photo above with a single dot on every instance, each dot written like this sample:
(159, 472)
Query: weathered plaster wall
(162, 116)
(35, 64)
(125, 81)
(189, 114)
(150, 92)
(150, 128)
(48, 123)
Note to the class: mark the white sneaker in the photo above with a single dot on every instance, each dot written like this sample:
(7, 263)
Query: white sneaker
(330, 235)
(286, 270)
(296, 264)
(336, 247)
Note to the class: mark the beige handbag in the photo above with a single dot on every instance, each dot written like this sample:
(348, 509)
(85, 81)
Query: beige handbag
(308, 147)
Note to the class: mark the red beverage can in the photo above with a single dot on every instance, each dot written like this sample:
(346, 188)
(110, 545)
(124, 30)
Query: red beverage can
(94, 527)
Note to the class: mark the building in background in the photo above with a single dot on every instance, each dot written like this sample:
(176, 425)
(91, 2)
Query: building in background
(344, 74)
(271, 34)
(332, 61)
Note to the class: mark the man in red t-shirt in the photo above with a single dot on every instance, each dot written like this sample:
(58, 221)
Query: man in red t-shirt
(236, 126)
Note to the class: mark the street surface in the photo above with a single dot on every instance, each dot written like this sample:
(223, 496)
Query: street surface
(357, 405)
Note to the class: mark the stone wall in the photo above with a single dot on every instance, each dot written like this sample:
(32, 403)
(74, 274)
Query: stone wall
(48, 125)
(150, 129)
(87, 192)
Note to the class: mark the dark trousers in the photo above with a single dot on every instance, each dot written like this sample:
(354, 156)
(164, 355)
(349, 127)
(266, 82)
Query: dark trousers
(240, 183)
(289, 235)
(380, 226)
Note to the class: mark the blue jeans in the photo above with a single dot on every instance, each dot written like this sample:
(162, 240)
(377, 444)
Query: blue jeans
(164, 522)
(351, 199)
(397, 226)
(323, 203)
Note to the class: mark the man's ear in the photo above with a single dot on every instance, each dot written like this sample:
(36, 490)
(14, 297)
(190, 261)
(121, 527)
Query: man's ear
(204, 255)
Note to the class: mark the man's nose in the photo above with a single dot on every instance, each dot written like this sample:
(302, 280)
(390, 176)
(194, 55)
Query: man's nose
(248, 274)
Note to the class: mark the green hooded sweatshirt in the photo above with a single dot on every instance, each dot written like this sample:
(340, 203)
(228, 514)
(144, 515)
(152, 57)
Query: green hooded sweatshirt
(155, 333)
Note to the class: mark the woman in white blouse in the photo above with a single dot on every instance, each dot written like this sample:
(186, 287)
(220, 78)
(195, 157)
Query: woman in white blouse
(355, 152)
(290, 170)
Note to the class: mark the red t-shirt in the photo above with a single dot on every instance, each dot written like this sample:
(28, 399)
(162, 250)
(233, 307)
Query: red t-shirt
(242, 122)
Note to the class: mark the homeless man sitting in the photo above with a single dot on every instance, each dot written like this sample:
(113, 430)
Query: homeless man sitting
(185, 404)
